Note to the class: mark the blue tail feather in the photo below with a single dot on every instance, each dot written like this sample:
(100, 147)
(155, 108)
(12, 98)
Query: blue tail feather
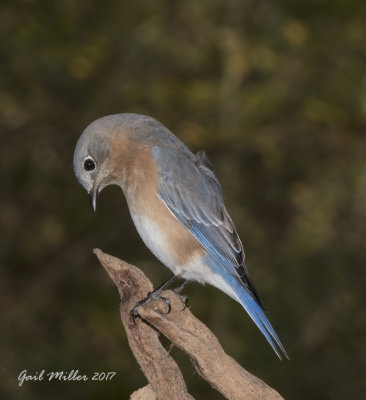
(259, 318)
(251, 306)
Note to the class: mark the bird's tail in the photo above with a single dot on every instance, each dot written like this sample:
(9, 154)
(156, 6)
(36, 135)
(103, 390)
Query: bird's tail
(258, 316)
(237, 290)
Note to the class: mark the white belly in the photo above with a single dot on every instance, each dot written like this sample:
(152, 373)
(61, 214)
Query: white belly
(194, 269)
(155, 239)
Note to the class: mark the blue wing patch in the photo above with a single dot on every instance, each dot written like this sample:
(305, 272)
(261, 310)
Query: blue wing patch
(189, 188)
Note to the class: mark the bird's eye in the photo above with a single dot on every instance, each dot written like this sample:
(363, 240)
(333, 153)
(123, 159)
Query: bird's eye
(89, 165)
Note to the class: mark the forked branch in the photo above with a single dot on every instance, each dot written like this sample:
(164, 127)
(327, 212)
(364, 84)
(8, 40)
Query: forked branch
(185, 331)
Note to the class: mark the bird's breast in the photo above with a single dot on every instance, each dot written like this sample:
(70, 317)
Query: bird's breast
(169, 240)
(156, 239)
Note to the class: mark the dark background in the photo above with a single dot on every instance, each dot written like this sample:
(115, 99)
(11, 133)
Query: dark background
(276, 94)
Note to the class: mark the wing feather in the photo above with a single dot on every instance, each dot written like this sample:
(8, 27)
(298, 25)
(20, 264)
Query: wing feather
(190, 189)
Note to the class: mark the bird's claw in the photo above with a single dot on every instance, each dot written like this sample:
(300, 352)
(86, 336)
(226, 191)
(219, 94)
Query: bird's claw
(134, 314)
(166, 300)
(151, 296)
(184, 299)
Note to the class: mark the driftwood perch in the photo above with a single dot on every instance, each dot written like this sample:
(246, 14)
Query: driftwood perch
(185, 331)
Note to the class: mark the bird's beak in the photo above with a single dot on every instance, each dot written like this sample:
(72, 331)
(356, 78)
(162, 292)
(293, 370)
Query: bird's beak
(93, 195)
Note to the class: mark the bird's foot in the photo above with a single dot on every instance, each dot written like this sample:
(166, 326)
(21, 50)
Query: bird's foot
(154, 295)
(184, 299)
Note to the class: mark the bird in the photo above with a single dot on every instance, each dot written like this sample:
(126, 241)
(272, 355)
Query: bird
(176, 204)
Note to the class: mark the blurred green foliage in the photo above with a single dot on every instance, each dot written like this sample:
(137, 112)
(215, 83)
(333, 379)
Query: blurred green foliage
(275, 92)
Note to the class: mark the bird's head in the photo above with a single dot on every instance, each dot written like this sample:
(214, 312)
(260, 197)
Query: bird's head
(106, 146)
(92, 156)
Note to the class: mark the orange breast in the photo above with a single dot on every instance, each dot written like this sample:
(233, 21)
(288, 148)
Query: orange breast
(158, 227)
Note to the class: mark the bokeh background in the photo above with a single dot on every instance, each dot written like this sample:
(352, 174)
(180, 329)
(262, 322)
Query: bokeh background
(276, 94)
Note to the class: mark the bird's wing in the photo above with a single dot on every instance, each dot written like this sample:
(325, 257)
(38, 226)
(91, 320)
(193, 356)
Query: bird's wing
(189, 188)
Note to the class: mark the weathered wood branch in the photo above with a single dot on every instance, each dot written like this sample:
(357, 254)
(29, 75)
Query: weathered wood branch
(185, 331)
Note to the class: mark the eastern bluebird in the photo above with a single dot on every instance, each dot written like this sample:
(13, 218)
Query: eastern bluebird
(176, 204)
